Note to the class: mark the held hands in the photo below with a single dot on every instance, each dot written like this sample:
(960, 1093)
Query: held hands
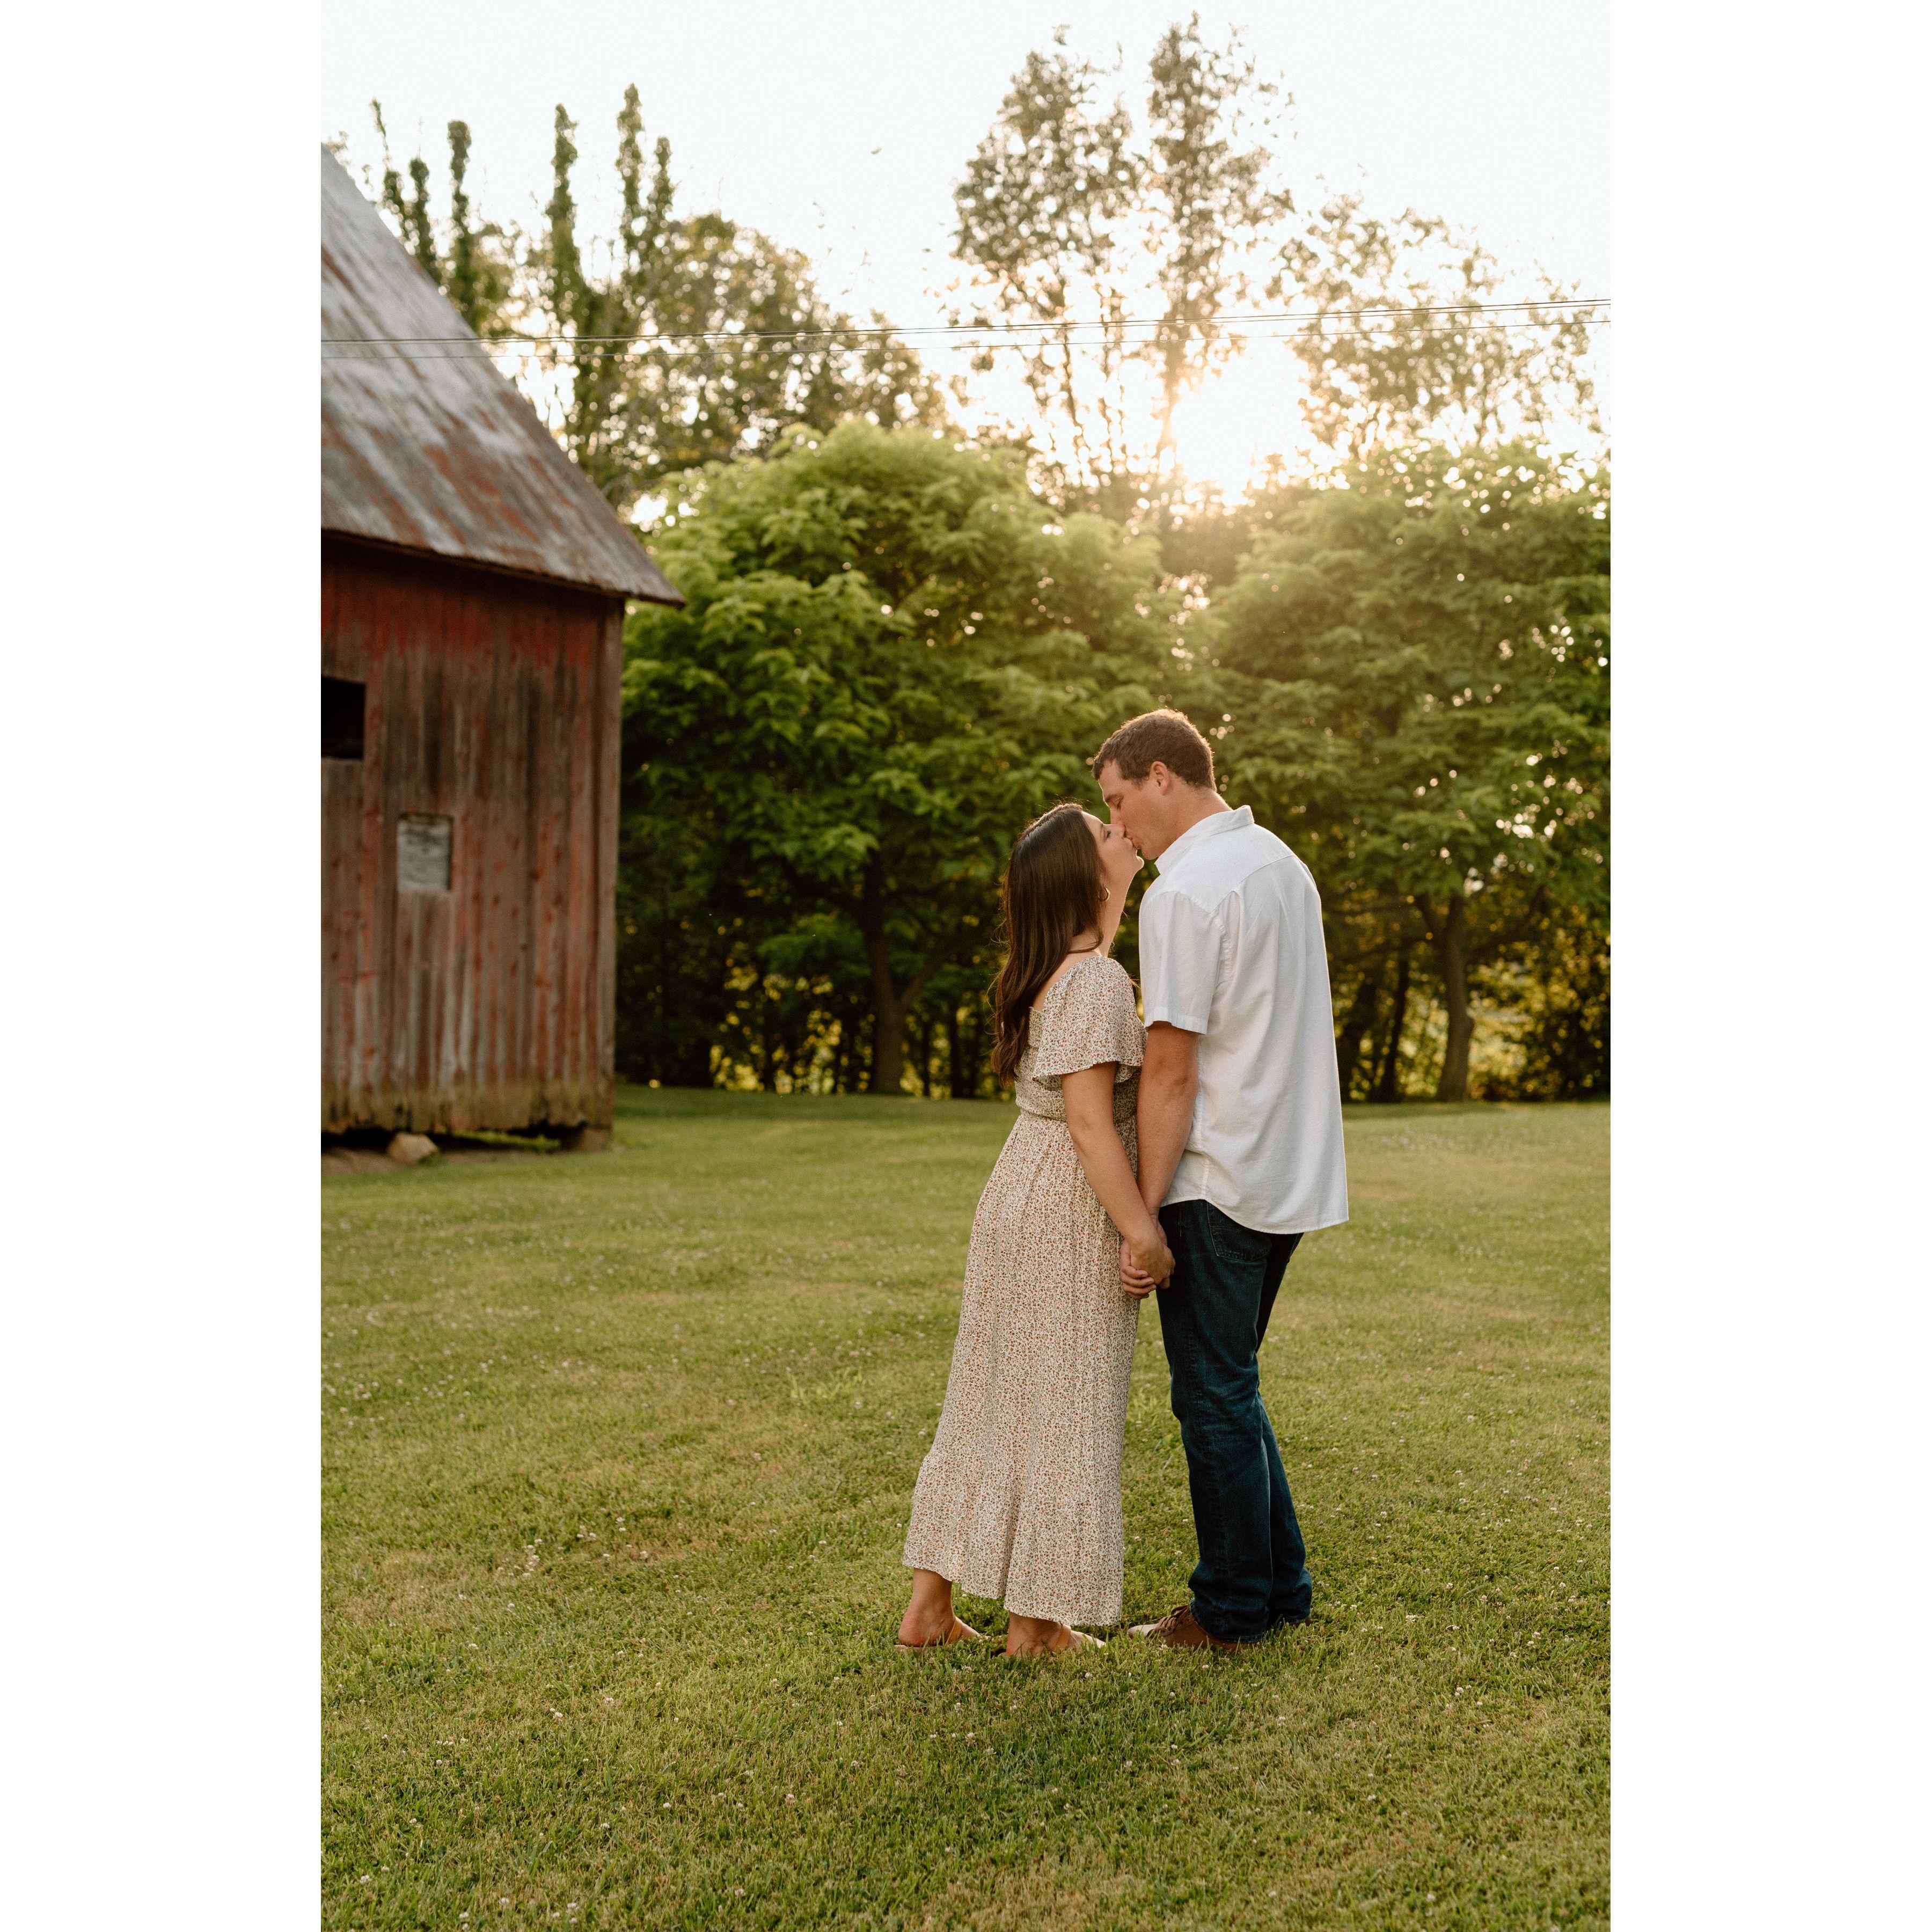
(1146, 1264)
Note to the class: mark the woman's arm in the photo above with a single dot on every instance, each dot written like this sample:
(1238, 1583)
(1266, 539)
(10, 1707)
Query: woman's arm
(1168, 1083)
(1089, 1095)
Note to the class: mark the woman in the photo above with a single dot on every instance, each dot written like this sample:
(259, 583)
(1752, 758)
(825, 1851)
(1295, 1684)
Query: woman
(1019, 1497)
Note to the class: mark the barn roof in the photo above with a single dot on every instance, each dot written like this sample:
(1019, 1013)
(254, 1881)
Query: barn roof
(428, 447)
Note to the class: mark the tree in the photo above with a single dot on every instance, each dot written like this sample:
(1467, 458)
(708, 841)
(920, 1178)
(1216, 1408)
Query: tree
(410, 213)
(478, 270)
(1393, 396)
(1077, 224)
(599, 317)
(1038, 210)
(1553, 998)
(686, 923)
(700, 340)
(479, 276)
(1210, 197)
(681, 340)
(1442, 374)
(1418, 662)
(891, 656)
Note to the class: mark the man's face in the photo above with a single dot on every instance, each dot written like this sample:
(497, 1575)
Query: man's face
(1135, 805)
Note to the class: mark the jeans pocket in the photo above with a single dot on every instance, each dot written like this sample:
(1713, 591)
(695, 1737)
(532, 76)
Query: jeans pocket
(1232, 1242)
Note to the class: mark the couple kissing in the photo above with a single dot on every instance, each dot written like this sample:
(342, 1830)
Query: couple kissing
(1181, 1153)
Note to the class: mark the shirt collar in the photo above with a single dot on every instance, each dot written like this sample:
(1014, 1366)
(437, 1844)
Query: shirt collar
(1212, 827)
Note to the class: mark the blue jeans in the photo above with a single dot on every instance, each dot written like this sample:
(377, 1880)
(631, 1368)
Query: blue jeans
(1253, 1572)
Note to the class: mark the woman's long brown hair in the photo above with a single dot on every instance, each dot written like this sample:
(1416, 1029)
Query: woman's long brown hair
(1052, 892)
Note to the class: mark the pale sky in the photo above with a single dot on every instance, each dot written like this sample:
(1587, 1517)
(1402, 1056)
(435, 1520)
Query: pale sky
(840, 130)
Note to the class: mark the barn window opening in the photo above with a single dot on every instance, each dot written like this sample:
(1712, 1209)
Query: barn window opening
(342, 706)
(422, 854)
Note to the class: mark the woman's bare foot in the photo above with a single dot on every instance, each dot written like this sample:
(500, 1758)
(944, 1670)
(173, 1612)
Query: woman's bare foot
(928, 1623)
(960, 1633)
(1041, 1637)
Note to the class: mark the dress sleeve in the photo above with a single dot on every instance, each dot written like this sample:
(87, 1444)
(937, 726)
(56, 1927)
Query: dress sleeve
(1093, 1022)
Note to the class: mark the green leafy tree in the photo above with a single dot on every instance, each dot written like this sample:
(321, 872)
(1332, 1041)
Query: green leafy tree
(1418, 667)
(1039, 212)
(676, 341)
(687, 925)
(1076, 221)
(891, 656)
(410, 212)
(1210, 196)
(602, 314)
(698, 339)
(759, 353)
(1393, 397)
(1442, 374)
(478, 272)
(1552, 999)
(477, 269)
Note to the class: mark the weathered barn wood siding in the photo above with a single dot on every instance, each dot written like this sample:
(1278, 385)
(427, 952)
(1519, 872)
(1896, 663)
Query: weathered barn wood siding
(493, 701)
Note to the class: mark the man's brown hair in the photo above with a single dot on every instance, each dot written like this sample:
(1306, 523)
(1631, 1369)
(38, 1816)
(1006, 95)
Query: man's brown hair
(1165, 735)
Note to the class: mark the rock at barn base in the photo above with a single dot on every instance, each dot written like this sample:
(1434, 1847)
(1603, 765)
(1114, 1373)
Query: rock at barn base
(408, 1149)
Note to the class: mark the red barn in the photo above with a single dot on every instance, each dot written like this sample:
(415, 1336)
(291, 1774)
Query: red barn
(473, 585)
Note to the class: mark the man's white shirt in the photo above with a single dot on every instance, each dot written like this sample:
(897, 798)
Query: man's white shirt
(1231, 948)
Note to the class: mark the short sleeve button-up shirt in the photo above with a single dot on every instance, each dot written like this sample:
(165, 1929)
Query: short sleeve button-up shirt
(1230, 948)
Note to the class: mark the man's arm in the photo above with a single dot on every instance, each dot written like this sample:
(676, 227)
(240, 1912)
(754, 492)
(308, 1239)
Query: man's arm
(1165, 1115)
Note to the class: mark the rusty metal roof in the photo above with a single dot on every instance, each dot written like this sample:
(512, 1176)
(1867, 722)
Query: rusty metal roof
(426, 445)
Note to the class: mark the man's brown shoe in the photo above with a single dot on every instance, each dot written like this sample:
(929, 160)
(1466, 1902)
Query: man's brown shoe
(1179, 1631)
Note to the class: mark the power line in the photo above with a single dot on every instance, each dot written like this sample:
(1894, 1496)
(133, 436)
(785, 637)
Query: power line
(483, 351)
(1351, 322)
(1564, 304)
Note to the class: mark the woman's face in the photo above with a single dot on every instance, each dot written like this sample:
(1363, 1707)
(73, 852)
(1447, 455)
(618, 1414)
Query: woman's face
(1119, 861)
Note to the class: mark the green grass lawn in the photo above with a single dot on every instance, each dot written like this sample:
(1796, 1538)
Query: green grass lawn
(617, 1453)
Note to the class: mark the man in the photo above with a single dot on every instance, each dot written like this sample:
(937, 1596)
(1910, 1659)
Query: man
(1241, 1150)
